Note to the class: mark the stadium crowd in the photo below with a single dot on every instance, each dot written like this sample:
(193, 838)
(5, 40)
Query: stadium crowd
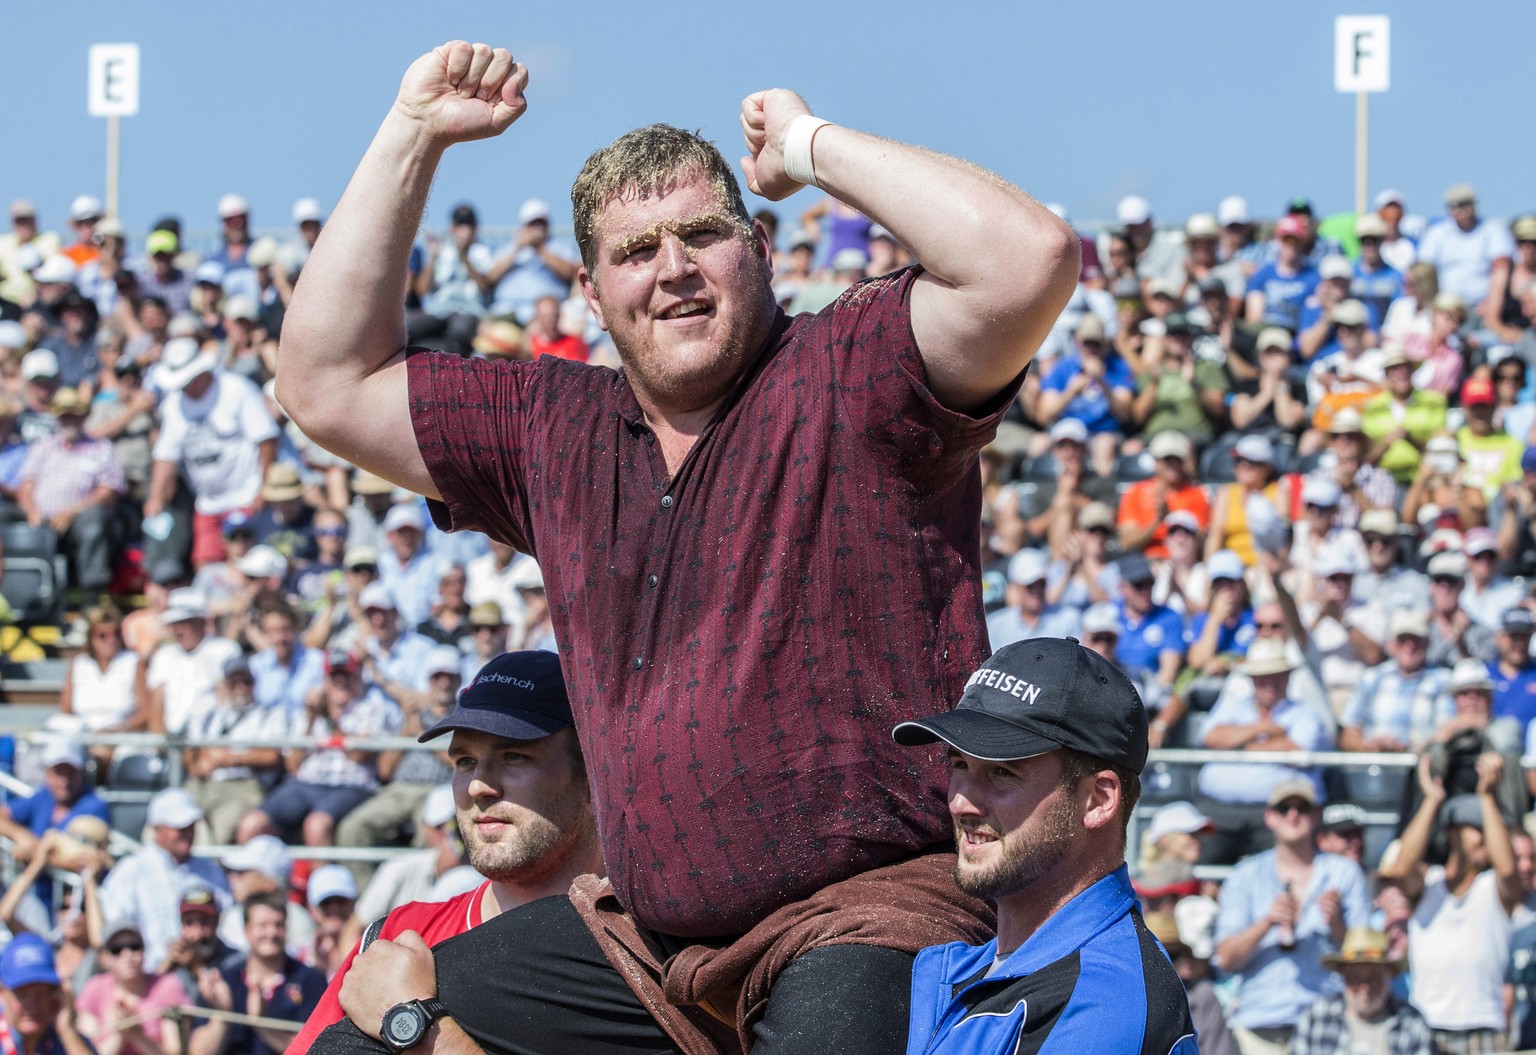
(1281, 472)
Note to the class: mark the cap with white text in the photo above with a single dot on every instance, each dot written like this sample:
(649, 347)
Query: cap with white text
(1036, 696)
(517, 695)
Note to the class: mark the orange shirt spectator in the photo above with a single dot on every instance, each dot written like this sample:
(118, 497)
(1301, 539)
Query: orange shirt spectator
(1146, 502)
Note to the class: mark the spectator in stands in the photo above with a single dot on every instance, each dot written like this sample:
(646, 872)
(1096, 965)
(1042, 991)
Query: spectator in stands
(547, 336)
(147, 886)
(1376, 283)
(1487, 595)
(332, 899)
(75, 342)
(159, 277)
(1246, 512)
(1057, 503)
(1204, 1006)
(1094, 386)
(257, 867)
(1517, 521)
(1367, 1008)
(1362, 486)
(455, 284)
(1457, 979)
(1397, 248)
(1396, 706)
(1151, 635)
(1282, 911)
(285, 520)
(63, 797)
(1384, 580)
(314, 580)
(1028, 614)
(490, 578)
(1442, 487)
(35, 1011)
(1438, 350)
(286, 669)
(1218, 638)
(1341, 636)
(1180, 575)
(1400, 419)
(330, 781)
(1492, 455)
(1174, 834)
(410, 877)
(1469, 729)
(1235, 794)
(1472, 254)
(266, 982)
(396, 657)
(406, 568)
(1276, 291)
(448, 621)
(1268, 404)
(77, 935)
(1146, 503)
(40, 383)
(120, 1009)
(216, 430)
(229, 782)
(1176, 391)
(1319, 325)
(1342, 831)
(488, 638)
(178, 684)
(535, 631)
(198, 947)
(535, 266)
(410, 776)
(1514, 671)
(99, 682)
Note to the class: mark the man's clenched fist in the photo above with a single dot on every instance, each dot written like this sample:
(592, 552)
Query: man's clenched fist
(463, 91)
(765, 116)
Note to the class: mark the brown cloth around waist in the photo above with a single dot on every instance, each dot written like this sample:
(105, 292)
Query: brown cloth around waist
(707, 997)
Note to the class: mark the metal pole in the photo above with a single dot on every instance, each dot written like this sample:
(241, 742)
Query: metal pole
(1362, 124)
(114, 146)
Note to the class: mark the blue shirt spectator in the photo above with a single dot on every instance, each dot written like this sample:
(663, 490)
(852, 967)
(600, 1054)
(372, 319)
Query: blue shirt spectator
(1285, 291)
(1089, 400)
(285, 683)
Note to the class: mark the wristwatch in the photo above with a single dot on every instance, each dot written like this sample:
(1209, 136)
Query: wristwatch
(405, 1025)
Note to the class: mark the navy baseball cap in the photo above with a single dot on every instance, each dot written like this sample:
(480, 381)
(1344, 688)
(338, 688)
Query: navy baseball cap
(517, 695)
(1038, 695)
(27, 960)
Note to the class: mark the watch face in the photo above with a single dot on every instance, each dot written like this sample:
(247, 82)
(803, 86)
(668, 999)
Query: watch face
(402, 1026)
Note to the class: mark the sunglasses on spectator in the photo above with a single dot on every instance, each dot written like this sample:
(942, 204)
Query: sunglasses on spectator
(1486, 554)
(1179, 529)
(1103, 638)
(331, 532)
(1276, 625)
(365, 569)
(1445, 580)
(484, 628)
(117, 948)
(1378, 540)
(1298, 806)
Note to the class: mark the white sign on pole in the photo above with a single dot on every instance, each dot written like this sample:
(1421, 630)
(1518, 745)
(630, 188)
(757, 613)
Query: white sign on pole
(1360, 47)
(114, 80)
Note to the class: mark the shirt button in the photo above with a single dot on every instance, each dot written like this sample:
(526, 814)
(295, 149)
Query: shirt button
(639, 662)
(651, 581)
(666, 501)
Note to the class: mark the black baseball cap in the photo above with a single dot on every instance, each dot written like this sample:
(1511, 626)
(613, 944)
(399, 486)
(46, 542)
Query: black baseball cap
(1038, 695)
(517, 695)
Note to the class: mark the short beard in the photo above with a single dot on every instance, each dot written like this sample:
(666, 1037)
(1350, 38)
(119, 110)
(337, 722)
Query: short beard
(537, 848)
(1022, 866)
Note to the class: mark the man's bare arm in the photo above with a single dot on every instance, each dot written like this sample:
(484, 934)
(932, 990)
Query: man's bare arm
(998, 266)
(341, 362)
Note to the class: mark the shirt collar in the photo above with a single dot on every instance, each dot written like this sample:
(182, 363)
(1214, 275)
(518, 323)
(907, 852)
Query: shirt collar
(1075, 924)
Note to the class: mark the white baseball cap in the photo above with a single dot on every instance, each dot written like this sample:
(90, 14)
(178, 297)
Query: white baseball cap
(1255, 449)
(1101, 618)
(532, 210)
(1224, 564)
(61, 751)
(1069, 429)
(232, 205)
(439, 808)
(173, 808)
(1133, 209)
(1180, 816)
(262, 853)
(1028, 566)
(376, 595)
(39, 363)
(445, 659)
(1334, 560)
(404, 516)
(307, 210)
(183, 604)
(329, 881)
(85, 207)
(263, 562)
(1232, 210)
(55, 269)
(1320, 491)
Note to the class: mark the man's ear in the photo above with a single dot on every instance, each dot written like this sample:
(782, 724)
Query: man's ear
(1103, 805)
(589, 291)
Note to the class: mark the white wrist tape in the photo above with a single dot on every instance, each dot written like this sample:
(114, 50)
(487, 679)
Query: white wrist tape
(798, 164)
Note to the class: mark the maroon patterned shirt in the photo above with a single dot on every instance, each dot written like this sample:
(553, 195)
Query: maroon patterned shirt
(739, 641)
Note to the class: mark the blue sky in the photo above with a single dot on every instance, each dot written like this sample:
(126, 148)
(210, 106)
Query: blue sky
(1181, 102)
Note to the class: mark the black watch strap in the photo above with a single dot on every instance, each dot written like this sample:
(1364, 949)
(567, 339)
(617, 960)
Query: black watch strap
(433, 1008)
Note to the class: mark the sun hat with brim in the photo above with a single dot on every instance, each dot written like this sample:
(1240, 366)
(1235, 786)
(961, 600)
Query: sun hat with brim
(181, 360)
(517, 696)
(1292, 788)
(1167, 878)
(66, 402)
(282, 483)
(173, 808)
(1038, 695)
(1365, 947)
(1266, 656)
(1469, 675)
(1179, 816)
(27, 960)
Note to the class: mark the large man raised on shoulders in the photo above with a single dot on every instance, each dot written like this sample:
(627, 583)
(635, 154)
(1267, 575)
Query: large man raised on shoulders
(759, 538)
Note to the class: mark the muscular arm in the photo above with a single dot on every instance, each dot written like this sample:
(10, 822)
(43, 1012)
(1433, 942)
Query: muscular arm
(344, 334)
(998, 266)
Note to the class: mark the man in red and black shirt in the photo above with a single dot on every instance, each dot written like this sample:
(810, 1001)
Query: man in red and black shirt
(759, 539)
(523, 813)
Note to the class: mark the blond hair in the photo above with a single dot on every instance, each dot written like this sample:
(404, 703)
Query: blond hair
(646, 163)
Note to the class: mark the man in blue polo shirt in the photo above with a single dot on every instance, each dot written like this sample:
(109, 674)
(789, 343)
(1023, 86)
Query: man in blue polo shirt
(61, 799)
(1046, 748)
(1151, 646)
(1512, 670)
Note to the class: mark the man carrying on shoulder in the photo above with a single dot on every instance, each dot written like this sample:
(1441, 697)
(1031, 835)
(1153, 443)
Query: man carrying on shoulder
(721, 609)
(524, 815)
(1045, 750)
